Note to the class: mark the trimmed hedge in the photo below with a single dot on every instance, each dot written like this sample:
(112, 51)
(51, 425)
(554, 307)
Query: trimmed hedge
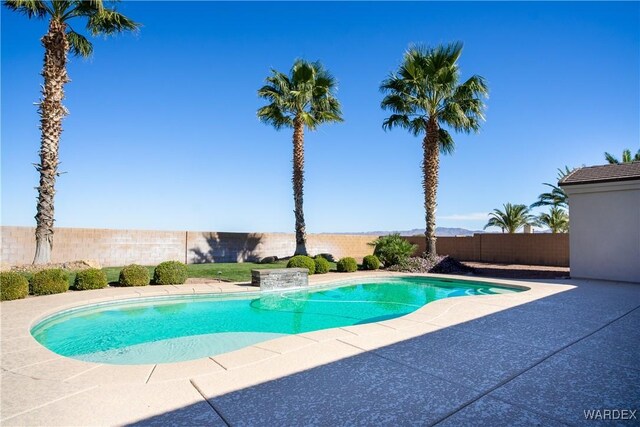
(347, 265)
(13, 286)
(92, 278)
(51, 281)
(322, 265)
(134, 275)
(170, 273)
(370, 262)
(302, 261)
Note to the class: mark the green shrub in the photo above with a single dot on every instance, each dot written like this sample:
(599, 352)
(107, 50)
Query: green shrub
(13, 286)
(134, 275)
(51, 281)
(170, 273)
(92, 278)
(302, 261)
(393, 249)
(370, 262)
(347, 265)
(322, 265)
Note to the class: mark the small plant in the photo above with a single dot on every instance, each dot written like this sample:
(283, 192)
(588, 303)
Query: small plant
(347, 265)
(92, 278)
(134, 275)
(13, 286)
(393, 249)
(370, 262)
(322, 265)
(51, 281)
(302, 261)
(170, 273)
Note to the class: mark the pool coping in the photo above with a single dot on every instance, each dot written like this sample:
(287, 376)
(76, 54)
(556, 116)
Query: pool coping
(433, 316)
(439, 314)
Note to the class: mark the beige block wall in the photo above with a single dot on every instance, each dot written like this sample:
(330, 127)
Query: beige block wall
(121, 247)
(108, 247)
(520, 248)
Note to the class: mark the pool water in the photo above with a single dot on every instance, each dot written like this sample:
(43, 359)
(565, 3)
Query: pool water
(186, 327)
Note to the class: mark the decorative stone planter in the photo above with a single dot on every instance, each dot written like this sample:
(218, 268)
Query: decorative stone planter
(280, 278)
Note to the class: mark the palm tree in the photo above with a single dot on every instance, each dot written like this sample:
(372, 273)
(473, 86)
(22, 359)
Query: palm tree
(512, 218)
(59, 40)
(305, 97)
(424, 96)
(557, 220)
(626, 157)
(557, 196)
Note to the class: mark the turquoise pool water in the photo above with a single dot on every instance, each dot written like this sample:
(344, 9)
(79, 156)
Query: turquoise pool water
(185, 327)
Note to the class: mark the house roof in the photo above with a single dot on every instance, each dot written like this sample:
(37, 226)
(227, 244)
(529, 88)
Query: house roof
(604, 173)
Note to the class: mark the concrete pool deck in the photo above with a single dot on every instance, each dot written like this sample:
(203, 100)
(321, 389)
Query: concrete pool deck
(537, 357)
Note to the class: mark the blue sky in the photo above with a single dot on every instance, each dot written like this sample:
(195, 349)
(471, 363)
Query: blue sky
(162, 131)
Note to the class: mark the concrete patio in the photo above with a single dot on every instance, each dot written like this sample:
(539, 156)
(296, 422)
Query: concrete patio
(540, 357)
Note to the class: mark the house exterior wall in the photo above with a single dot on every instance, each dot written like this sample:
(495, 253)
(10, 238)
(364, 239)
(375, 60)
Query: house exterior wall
(605, 230)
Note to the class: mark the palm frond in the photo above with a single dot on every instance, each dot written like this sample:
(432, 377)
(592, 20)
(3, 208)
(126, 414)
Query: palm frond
(557, 220)
(307, 93)
(79, 45)
(511, 218)
(274, 116)
(31, 8)
(447, 146)
(611, 159)
(426, 86)
(109, 21)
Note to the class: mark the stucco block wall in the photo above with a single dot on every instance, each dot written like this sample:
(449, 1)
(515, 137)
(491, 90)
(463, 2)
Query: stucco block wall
(108, 247)
(605, 231)
(121, 247)
(523, 248)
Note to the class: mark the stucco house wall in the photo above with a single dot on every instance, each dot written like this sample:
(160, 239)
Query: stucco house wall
(605, 230)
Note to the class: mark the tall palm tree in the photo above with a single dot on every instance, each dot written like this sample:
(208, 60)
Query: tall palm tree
(557, 220)
(425, 96)
(557, 196)
(626, 157)
(304, 98)
(59, 40)
(512, 218)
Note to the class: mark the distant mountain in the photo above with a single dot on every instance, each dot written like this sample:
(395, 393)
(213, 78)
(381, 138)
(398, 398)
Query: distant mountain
(440, 231)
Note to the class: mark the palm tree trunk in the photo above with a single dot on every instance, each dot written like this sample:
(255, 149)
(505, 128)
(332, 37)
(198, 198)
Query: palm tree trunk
(430, 167)
(51, 113)
(298, 181)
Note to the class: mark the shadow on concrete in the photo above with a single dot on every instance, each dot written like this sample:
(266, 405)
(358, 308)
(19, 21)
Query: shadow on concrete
(227, 247)
(540, 363)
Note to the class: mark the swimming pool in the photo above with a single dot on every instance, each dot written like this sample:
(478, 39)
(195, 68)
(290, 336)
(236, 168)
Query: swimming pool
(186, 327)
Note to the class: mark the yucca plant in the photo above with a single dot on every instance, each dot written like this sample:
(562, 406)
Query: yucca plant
(303, 98)
(59, 40)
(557, 220)
(425, 96)
(511, 219)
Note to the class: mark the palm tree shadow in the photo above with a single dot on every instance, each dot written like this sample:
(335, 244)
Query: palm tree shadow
(227, 247)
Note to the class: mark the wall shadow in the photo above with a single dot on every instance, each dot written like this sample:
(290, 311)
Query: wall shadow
(426, 379)
(227, 247)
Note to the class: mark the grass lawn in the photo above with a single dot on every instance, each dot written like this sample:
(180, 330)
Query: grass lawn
(226, 271)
